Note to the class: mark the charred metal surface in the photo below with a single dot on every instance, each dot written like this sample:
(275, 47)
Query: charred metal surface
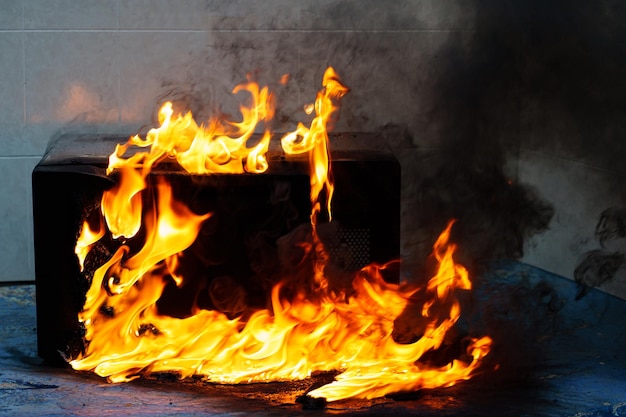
(555, 357)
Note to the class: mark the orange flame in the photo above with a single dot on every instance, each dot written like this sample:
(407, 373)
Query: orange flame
(122, 206)
(220, 147)
(298, 334)
(391, 367)
(314, 140)
(85, 241)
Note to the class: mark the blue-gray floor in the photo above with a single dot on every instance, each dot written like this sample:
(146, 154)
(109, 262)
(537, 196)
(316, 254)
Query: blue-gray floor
(557, 357)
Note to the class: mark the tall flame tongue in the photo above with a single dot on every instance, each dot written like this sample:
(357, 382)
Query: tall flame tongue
(314, 141)
(315, 331)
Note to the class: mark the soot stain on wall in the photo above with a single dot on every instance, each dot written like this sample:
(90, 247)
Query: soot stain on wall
(600, 266)
(477, 109)
(574, 56)
(542, 76)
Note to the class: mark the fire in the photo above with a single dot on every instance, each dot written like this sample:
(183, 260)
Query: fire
(314, 140)
(86, 239)
(300, 332)
(218, 147)
(388, 367)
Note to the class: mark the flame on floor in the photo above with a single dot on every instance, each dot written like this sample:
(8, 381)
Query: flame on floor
(302, 332)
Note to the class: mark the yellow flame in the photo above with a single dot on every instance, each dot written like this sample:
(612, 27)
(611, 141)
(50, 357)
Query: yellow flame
(290, 341)
(122, 206)
(302, 331)
(219, 147)
(394, 367)
(314, 139)
(85, 241)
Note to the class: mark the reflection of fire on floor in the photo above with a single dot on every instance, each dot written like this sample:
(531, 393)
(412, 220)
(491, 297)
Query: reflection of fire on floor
(558, 380)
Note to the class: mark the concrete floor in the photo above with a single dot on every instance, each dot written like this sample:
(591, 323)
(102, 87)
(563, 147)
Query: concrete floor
(559, 357)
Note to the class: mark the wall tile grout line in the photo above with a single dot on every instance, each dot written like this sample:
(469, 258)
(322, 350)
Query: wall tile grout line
(552, 155)
(14, 157)
(115, 30)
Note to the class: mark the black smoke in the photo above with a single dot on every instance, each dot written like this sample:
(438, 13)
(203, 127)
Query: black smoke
(533, 75)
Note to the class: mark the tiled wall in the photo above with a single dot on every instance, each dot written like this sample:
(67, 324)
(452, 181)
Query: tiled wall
(442, 68)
